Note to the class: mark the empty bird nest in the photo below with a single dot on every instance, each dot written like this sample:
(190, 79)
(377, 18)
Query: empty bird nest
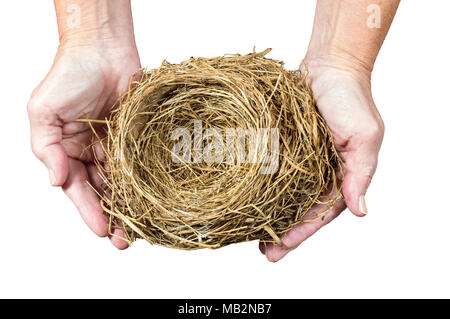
(214, 151)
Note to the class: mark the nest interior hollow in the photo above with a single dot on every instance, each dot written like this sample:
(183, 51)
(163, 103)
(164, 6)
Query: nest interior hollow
(210, 204)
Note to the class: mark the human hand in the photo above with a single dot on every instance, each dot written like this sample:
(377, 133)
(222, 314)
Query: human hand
(343, 95)
(84, 82)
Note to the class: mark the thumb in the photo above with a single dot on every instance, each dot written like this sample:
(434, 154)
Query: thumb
(360, 166)
(46, 137)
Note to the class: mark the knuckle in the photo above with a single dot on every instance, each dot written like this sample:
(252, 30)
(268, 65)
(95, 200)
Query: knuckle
(37, 151)
(32, 107)
(36, 108)
(32, 102)
(307, 230)
(37, 102)
(374, 132)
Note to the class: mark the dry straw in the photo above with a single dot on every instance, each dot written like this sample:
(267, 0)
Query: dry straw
(201, 205)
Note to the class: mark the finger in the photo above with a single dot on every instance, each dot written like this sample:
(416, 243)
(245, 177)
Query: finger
(95, 179)
(83, 146)
(360, 166)
(262, 247)
(118, 235)
(85, 198)
(299, 233)
(46, 136)
(99, 151)
(116, 239)
(97, 182)
(55, 159)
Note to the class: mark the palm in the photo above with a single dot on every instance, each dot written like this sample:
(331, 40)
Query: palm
(89, 85)
(344, 100)
(339, 96)
(83, 83)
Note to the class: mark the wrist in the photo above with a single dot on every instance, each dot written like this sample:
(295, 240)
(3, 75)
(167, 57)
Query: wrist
(99, 23)
(342, 61)
(315, 63)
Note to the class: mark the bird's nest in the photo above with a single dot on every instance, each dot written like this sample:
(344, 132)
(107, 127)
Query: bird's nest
(214, 151)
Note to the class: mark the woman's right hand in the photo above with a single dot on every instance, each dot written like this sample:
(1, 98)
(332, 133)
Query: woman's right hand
(84, 82)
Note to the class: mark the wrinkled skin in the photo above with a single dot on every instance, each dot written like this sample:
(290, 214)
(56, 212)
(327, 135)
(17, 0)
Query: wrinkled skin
(344, 98)
(84, 82)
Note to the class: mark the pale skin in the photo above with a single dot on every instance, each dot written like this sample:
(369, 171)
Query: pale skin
(96, 59)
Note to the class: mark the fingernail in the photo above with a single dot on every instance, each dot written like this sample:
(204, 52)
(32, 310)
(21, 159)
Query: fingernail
(267, 247)
(362, 205)
(52, 177)
(262, 248)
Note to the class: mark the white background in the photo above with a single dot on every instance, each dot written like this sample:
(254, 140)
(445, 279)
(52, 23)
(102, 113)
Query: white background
(401, 249)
